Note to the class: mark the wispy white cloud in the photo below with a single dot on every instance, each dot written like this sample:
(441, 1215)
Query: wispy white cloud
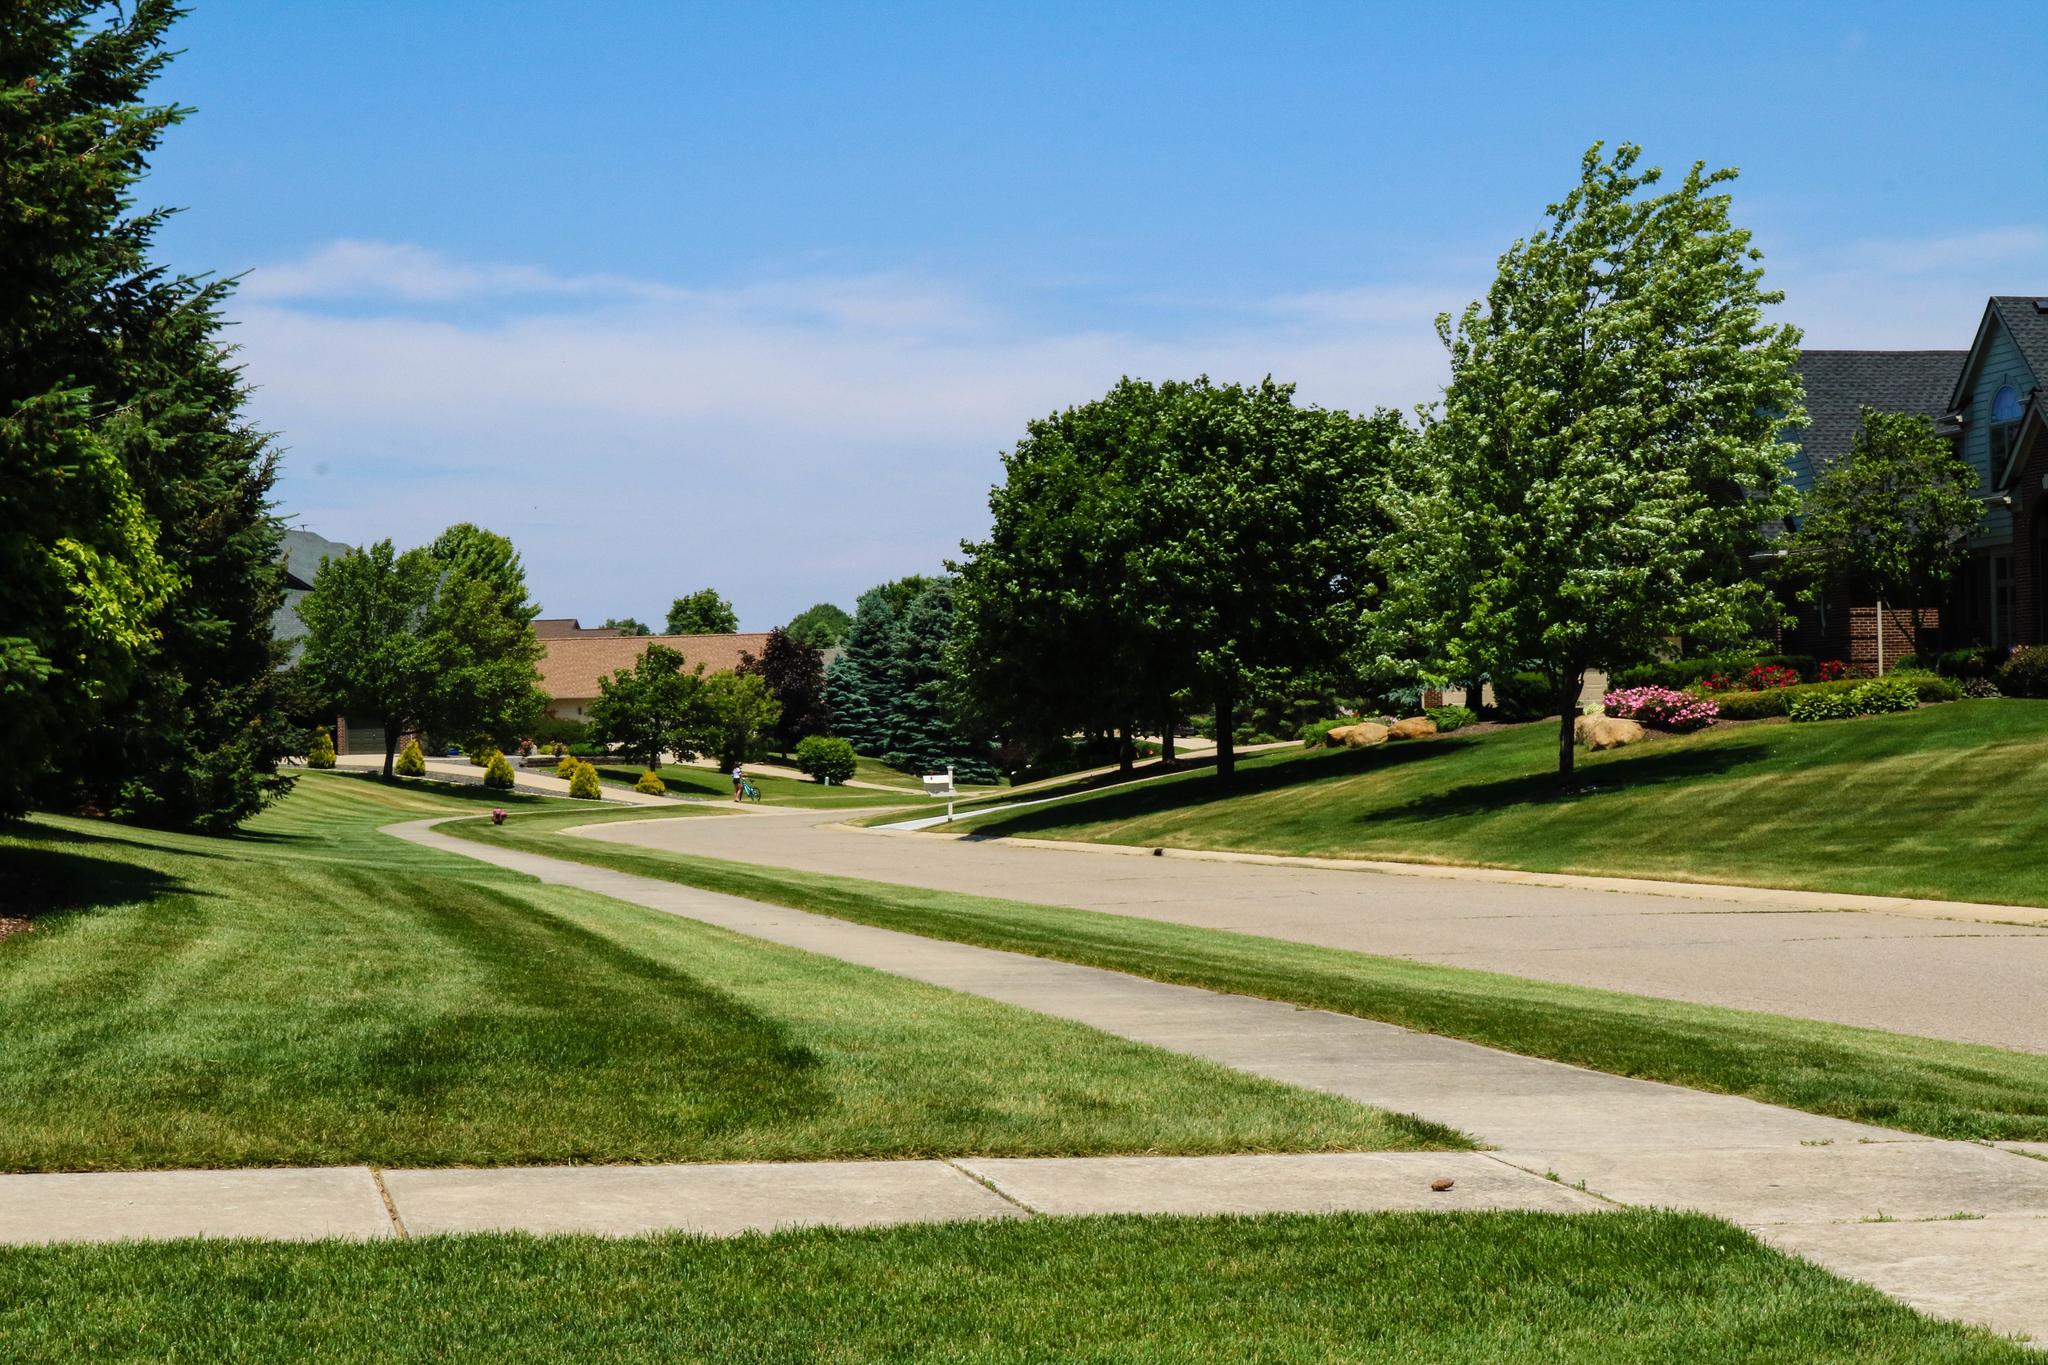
(1908, 293)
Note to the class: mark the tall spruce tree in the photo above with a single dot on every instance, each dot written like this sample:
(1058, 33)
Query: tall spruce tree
(137, 549)
(893, 694)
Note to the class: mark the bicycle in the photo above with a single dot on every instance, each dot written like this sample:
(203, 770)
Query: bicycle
(749, 791)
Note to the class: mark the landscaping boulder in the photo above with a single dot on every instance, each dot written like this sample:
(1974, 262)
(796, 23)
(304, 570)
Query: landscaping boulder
(1414, 727)
(1606, 732)
(1363, 735)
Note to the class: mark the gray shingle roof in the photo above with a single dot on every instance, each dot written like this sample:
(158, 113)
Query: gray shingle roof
(1840, 384)
(2024, 319)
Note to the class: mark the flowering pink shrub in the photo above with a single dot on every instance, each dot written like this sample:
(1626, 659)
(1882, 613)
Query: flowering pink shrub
(1661, 708)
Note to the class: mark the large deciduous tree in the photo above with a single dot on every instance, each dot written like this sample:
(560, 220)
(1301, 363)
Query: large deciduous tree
(703, 612)
(1182, 538)
(795, 675)
(1891, 519)
(739, 716)
(823, 626)
(136, 541)
(1607, 450)
(657, 706)
(422, 642)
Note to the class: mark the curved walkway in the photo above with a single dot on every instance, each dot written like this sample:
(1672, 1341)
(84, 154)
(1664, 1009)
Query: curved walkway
(1758, 950)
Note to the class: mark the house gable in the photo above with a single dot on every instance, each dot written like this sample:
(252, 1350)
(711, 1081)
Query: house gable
(2008, 356)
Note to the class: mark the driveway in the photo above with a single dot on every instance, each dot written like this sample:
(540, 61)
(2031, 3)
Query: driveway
(1972, 982)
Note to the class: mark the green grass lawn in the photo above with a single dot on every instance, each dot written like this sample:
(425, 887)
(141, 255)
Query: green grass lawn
(1433, 1289)
(689, 781)
(1921, 1085)
(314, 992)
(1936, 803)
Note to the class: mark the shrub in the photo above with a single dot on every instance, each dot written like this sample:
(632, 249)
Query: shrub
(2025, 674)
(1764, 677)
(566, 768)
(583, 783)
(1965, 664)
(1714, 672)
(1832, 670)
(1778, 702)
(583, 750)
(650, 784)
(1895, 693)
(1316, 734)
(1524, 696)
(482, 754)
(825, 758)
(498, 776)
(1981, 687)
(1928, 686)
(559, 749)
(1446, 717)
(1834, 704)
(1662, 708)
(320, 753)
(411, 762)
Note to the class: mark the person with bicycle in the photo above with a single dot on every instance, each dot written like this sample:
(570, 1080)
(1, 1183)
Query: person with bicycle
(739, 781)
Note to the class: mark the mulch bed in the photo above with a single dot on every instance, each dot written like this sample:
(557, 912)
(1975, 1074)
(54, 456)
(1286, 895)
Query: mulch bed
(11, 925)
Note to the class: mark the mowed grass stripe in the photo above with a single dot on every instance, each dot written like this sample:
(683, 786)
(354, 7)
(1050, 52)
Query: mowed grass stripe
(1930, 803)
(1921, 1085)
(317, 993)
(1432, 1289)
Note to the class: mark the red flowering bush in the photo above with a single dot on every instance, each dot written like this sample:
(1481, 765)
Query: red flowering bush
(1764, 677)
(1833, 670)
(1661, 708)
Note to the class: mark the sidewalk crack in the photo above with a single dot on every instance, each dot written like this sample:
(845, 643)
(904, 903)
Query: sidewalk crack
(991, 1186)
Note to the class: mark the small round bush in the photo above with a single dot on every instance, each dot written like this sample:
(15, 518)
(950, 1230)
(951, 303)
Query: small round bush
(1662, 708)
(483, 757)
(1880, 695)
(2025, 674)
(1828, 705)
(583, 783)
(1450, 717)
(411, 762)
(825, 758)
(320, 753)
(566, 767)
(650, 784)
(498, 777)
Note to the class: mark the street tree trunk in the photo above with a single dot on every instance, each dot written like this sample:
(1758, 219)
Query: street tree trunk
(1226, 736)
(390, 747)
(1567, 719)
(1166, 738)
(1126, 749)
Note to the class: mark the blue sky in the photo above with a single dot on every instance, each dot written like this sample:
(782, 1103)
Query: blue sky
(753, 295)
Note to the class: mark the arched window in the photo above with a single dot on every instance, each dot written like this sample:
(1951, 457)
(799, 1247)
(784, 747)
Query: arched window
(2005, 405)
(2005, 416)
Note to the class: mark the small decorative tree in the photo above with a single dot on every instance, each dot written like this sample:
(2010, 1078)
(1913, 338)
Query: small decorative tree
(321, 753)
(411, 762)
(498, 776)
(583, 783)
(825, 758)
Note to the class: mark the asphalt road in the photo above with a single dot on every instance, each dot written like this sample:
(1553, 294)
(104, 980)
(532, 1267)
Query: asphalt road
(1974, 982)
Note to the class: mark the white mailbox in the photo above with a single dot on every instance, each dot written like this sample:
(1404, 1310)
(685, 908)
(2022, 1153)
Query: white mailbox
(941, 785)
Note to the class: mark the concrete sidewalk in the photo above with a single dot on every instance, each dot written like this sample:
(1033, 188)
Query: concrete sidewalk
(1808, 1183)
(358, 1203)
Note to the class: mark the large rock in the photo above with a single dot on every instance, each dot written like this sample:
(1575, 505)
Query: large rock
(1363, 735)
(1414, 727)
(1606, 732)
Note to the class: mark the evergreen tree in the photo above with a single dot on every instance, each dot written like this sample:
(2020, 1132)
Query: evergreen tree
(894, 694)
(137, 549)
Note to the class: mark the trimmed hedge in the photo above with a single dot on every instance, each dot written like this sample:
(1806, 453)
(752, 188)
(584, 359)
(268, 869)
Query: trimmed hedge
(583, 783)
(411, 762)
(1778, 701)
(498, 776)
(1688, 672)
(1524, 696)
(650, 784)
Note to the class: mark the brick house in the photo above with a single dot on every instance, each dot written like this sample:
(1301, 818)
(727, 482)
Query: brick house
(1988, 400)
(572, 664)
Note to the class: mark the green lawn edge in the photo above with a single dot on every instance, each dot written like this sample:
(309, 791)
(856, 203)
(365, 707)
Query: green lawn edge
(1395, 1288)
(1929, 1086)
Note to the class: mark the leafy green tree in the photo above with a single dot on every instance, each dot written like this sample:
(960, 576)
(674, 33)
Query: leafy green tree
(821, 627)
(827, 758)
(795, 674)
(702, 613)
(1607, 449)
(657, 706)
(627, 624)
(136, 543)
(739, 715)
(1892, 519)
(420, 644)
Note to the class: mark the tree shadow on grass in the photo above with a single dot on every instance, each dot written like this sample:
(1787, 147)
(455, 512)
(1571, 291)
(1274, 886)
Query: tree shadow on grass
(1658, 768)
(44, 881)
(1208, 788)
